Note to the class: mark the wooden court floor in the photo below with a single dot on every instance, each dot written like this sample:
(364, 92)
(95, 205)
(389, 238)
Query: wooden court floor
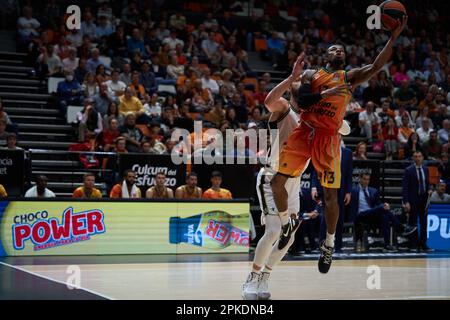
(424, 278)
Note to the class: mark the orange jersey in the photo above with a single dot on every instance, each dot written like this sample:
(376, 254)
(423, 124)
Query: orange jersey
(81, 193)
(328, 113)
(222, 194)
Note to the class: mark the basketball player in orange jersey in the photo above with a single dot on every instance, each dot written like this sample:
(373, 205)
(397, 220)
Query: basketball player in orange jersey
(317, 137)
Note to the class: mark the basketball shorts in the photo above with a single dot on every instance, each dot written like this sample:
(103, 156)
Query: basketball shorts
(265, 194)
(321, 146)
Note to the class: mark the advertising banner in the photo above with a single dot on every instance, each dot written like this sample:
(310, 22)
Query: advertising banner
(438, 231)
(38, 228)
(147, 166)
(370, 166)
(12, 171)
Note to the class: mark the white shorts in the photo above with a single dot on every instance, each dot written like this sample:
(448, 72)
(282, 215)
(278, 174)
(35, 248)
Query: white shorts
(265, 194)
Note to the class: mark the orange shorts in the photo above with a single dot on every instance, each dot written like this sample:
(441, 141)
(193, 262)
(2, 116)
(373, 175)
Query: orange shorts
(321, 146)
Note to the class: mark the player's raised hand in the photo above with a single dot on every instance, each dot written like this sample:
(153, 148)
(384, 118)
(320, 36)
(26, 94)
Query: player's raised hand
(400, 26)
(336, 91)
(298, 66)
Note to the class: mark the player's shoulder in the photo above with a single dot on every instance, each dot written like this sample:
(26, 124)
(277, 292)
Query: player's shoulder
(308, 74)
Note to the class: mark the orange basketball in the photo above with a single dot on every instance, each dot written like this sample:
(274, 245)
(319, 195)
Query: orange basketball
(391, 11)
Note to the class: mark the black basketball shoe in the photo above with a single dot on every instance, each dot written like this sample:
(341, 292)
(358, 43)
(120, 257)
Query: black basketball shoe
(286, 232)
(326, 257)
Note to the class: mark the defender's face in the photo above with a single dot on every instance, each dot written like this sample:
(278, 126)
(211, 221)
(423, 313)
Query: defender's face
(336, 54)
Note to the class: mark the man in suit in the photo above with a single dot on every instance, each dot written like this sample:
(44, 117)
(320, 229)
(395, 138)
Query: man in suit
(344, 196)
(416, 189)
(367, 209)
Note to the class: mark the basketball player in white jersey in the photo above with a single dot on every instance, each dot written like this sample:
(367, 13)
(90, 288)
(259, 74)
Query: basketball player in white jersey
(284, 118)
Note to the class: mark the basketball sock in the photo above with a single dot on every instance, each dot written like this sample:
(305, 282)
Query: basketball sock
(265, 244)
(254, 270)
(329, 241)
(267, 269)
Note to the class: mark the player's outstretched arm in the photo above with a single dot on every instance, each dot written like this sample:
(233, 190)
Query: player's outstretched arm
(272, 101)
(359, 75)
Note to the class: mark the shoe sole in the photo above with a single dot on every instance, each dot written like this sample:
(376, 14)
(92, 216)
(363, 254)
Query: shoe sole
(250, 296)
(264, 296)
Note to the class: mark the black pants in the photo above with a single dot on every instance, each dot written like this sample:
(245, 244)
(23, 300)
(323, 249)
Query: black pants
(376, 217)
(418, 214)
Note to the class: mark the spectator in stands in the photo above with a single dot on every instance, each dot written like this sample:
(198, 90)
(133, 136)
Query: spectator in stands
(117, 43)
(130, 15)
(428, 103)
(49, 62)
(405, 96)
(372, 93)
(432, 149)
(202, 98)
(27, 26)
(276, 47)
(386, 113)
(208, 82)
(190, 189)
(367, 209)
(102, 99)
(368, 121)
(3, 115)
(127, 188)
(100, 75)
(432, 72)
(88, 27)
(439, 195)
(136, 44)
(412, 145)
(3, 133)
(130, 103)
(90, 86)
(416, 189)
(11, 142)
(216, 192)
(112, 113)
(174, 69)
(424, 114)
(106, 139)
(147, 79)
(40, 189)
(209, 46)
(405, 131)
(88, 190)
(71, 62)
(217, 114)
(155, 146)
(125, 76)
(138, 88)
(159, 71)
(152, 106)
(390, 139)
(69, 92)
(360, 151)
(385, 84)
(94, 61)
(443, 133)
(132, 133)
(240, 108)
(401, 75)
(104, 28)
(81, 71)
(159, 190)
(424, 131)
(172, 40)
(90, 122)
(3, 193)
(115, 86)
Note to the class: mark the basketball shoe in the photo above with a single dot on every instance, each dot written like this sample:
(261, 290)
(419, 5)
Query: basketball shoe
(250, 287)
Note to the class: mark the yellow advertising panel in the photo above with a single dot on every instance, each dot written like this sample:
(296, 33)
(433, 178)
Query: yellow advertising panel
(35, 228)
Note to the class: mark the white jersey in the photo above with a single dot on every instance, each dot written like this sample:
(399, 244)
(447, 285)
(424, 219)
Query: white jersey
(280, 130)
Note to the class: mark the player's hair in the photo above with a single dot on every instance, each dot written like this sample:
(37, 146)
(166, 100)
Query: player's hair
(364, 173)
(126, 172)
(160, 173)
(191, 174)
(89, 174)
(216, 174)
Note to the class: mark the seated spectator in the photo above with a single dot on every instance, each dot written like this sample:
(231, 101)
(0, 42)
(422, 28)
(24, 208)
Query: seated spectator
(126, 75)
(62, 48)
(81, 71)
(11, 142)
(209, 46)
(390, 138)
(94, 61)
(190, 189)
(71, 62)
(405, 96)
(208, 82)
(100, 75)
(159, 71)
(152, 106)
(127, 189)
(439, 195)
(372, 93)
(117, 42)
(202, 99)
(106, 139)
(405, 130)
(88, 190)
(432, 149)
(432, 72)
(133, 135)
(138, 88)
(413, 145)
(174, 69)
(152, 43)
(385, 113)
(217, 115)
(425, 130)
(147, 79)
(216, 192)
(112, 113)
(443, 133)
(385, 84)
(88, 27)
(50, 64)
(424, 114)
(69, 93)
(172, 40)
(27, 26)
(3, 115)
(429, 103)
(440, 116)
(3, 193)
(104, 28)
(136, 44)
(246, 96)
(360, 151)
(159, 190)
(367, 209)
(102, 99)
(155, 146)
(275, 48)
(240, 108)
(90, 123)
(369, 121)
(90, 86)
(401, 75)
(399, 118)
(115, 86)
(130, 103)
(230, 116)
(40, 189)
